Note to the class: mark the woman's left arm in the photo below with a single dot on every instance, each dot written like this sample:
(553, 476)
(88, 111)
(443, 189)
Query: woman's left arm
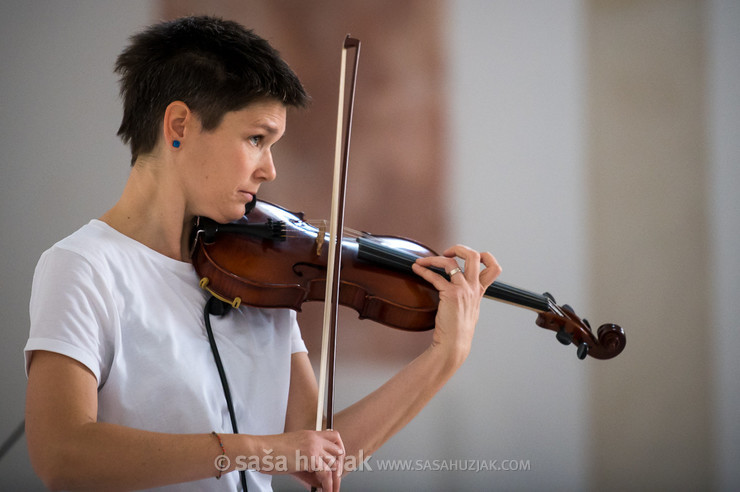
(370, 422)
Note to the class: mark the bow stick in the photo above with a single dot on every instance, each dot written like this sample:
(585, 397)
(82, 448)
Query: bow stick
(331, 304)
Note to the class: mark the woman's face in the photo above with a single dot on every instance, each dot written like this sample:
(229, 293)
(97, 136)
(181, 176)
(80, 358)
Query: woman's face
(223, 168)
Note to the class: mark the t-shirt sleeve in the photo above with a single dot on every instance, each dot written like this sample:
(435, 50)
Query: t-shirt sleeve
(296, 340)
(71, 312)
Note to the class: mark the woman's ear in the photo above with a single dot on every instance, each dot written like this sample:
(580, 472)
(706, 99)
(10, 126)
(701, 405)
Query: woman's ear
(177, 116)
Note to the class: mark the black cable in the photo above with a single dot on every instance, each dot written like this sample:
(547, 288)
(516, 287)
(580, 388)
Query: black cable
(12, 438)
(217, 307)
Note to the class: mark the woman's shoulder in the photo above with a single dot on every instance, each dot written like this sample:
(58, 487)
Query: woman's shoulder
(90, 251)
(88, 238)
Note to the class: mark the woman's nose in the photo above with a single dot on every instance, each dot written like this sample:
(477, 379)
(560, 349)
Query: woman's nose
(266, 170)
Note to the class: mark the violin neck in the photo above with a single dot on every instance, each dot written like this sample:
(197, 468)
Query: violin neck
(371, 251)
(519, 297)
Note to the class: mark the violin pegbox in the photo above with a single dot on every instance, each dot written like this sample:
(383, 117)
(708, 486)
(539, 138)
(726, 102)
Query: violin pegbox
(569, 329)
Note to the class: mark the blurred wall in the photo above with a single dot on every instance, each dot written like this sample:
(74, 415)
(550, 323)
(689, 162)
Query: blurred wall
(523, 157)
(648, 179)
(723, 124)
(516, 165)
(662, 222)
(61, 163)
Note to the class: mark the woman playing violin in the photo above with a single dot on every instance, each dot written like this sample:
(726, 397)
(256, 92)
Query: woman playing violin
(122, 391)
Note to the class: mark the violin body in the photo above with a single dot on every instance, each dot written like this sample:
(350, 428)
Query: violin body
(272, 258)
(289, 269)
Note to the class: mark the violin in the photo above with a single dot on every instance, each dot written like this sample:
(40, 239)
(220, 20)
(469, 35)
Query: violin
(273, 258)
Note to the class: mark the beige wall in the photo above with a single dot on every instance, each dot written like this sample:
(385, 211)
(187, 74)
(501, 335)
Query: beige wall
(648, 181)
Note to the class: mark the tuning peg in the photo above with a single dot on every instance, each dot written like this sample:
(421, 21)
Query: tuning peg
(582, 350)
(564, 337)
(585, 321)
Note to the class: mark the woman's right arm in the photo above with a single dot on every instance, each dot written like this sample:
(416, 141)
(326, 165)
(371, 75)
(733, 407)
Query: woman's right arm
(71, 450)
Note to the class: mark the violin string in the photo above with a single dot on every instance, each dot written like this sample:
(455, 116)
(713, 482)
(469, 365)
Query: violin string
(405, 259)
(555, 308)
(347, 232)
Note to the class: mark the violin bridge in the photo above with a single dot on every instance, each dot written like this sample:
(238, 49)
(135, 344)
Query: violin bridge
(320, 237)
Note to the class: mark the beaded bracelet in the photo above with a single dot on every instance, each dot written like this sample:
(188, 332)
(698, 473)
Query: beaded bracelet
(220, 460)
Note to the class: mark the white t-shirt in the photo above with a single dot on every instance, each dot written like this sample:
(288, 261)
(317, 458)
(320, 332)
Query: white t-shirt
(134, 317)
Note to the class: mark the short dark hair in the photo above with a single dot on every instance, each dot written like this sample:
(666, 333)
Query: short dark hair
(212, 65)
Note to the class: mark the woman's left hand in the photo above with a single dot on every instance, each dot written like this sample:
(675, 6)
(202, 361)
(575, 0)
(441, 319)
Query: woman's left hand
(459, 297)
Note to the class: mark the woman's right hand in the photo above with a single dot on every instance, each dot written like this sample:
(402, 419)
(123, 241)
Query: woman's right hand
(314, 457)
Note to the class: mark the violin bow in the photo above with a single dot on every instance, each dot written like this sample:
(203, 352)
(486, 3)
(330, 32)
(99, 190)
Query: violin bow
(331, 304)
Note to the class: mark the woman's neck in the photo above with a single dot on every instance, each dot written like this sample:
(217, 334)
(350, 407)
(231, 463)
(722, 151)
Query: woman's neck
(152, 211)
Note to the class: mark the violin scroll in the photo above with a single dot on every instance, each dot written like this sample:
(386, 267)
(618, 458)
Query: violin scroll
(608, 342)
(611, 339)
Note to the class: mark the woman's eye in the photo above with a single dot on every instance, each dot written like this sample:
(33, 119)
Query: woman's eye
(255, 140)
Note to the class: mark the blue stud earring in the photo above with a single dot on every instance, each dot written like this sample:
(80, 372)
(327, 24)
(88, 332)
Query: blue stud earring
(176, 143)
